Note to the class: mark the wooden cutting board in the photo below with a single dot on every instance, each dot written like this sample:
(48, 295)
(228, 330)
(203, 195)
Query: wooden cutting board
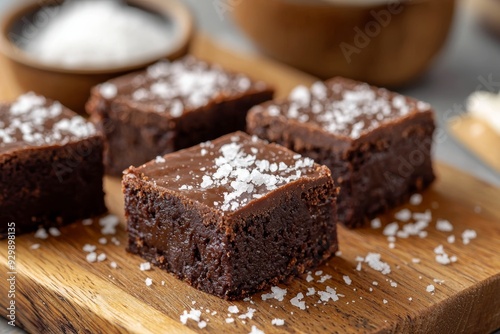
(478, 137)
(57, 290)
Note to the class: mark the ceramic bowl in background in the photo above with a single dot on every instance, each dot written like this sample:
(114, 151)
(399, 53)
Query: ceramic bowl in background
(383, 42)
(72, 86)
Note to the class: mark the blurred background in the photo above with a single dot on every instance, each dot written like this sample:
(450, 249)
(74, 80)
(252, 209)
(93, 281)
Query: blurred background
(461, 56)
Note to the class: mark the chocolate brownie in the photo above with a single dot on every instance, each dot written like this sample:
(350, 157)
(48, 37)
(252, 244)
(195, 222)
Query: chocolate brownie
(232, 216)
(50, 165)
(168, 107)
(377, 143)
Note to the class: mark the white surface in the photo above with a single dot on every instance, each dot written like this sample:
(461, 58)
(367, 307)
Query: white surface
(470, 54)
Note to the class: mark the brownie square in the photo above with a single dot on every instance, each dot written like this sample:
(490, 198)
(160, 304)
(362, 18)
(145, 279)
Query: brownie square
(377, 143)
(170, 106)
(50, 165)
(232, 216)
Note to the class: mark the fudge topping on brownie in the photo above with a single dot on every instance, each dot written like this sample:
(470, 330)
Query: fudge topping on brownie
(229, 172)
(173, 88)
(34, 121)
(344, 107)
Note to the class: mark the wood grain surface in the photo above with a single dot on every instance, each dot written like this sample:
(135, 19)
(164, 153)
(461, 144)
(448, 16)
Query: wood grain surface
(57, 290)
(477, 137)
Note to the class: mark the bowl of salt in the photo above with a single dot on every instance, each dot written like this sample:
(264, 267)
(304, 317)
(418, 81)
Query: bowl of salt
(60, 49)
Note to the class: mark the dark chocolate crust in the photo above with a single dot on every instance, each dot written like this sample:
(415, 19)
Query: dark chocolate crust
(377, 170)
(231, 254)
(137, 129)
(51, 186)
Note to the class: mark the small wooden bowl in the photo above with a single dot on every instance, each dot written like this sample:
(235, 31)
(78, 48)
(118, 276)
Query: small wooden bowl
(380, 44)
(72, 86)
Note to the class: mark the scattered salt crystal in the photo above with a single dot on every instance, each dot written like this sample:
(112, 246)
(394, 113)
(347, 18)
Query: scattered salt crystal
(385, 301)
(87, 222)
(248, 315)
(91, 257)
(394, 284)
(276, 293)
(202, 324)
(296, 301)
(41, 233)
(347, 279)
(319, 273)
(148, 281)
(113, 265)
(89, 248)
(430, 288)
(309, 278)
(103, 241)
(392, 245)
(310, 291)
(375, 283)
(438, 281)
(229, 320)
(109, 224)
(373, 260)
(35, 246)
(145, 266)
(324, 278)
(444, 225)
(255, 330)
(328, 294)
(451, 239)
(415, 260)
(193, 314)
(391, 229)
(338, 253)
(422, 234)
(54, 232)
(358, 266)
(403, 215)
(416, 199)
(101, 257)
(410, 298)
(376, 223)
(425, 216)
(468, 235)
(453, 259)
(277, 322)
(233, 309)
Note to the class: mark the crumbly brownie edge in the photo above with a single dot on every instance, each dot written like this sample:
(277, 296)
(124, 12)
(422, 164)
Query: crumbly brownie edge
(52, 186)
(134, 137)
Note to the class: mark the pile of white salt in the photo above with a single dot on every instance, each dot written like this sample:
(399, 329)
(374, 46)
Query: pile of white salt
(100, 34)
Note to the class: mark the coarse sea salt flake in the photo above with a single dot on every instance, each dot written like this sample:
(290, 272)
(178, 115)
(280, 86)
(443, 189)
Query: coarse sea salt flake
(416, 199)
(54, 231)
(41, 233)
(277, 322)
(444, 225)
(376, 223)
(403, 215)
(145, 266)
(255, 330)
